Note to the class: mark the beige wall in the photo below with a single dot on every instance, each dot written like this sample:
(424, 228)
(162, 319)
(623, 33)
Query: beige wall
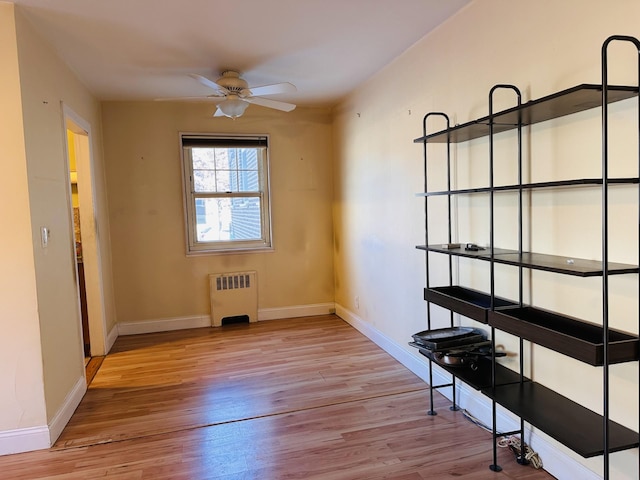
(22, 390)
(153, 277)
(39, 283)
(542, 47)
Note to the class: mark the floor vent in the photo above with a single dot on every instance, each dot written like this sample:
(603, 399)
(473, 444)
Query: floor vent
(233, 295)
(235, 320)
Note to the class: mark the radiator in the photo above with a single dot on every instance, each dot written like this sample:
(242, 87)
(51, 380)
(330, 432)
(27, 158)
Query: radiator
(233, 295)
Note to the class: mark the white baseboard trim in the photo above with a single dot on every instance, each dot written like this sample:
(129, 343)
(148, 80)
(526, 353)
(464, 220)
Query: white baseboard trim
(296, 311)
(164, 325)
(24, 440)
(112, 336)
(556, 462)
(62, 417)
(40, 438)
(199, 321)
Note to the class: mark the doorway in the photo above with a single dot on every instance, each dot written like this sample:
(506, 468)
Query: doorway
(72, 155)
(85, 238)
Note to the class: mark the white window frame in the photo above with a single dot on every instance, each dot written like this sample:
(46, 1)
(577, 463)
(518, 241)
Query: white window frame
(199, 247)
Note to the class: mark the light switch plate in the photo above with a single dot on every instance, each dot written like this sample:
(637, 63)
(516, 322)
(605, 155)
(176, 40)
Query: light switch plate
(44, 236)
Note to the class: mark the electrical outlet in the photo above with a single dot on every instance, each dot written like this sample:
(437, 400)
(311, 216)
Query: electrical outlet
(356, 302)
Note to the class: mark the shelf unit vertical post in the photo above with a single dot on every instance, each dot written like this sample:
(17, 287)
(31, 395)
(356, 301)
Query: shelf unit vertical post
(454, 405)
(494, 466)
(605, 234)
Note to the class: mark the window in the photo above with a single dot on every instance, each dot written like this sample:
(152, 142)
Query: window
(226, 185)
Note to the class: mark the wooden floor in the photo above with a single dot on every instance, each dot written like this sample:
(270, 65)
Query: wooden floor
(307, 398)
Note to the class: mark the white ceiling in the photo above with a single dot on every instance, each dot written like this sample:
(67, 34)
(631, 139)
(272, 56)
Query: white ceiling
(144, 49)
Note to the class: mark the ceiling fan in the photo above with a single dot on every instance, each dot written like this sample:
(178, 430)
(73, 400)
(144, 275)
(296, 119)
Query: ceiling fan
(234, 94)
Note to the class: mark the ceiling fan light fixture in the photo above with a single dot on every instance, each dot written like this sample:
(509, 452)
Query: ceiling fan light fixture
(233, 106)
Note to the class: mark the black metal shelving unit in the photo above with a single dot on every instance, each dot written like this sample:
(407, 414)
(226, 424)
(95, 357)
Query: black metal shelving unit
(582, 430)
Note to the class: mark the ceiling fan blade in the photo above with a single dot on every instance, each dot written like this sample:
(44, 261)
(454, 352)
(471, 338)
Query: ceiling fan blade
(284, 87)
(265, 102)
(201, 98)
(209, 83)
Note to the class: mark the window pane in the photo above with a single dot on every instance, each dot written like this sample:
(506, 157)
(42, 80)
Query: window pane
(204, 181)
(225, 158)
(203, 158)
(225, 183)
(247, 158)
(221, 219)
(248, 180)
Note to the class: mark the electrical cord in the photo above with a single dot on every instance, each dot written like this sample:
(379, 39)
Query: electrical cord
(513, 443)
(509, 441)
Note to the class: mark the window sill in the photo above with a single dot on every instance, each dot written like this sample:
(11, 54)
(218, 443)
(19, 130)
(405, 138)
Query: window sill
(230, 251)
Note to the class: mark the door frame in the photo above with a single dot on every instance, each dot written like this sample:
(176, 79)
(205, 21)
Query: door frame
(88, 226)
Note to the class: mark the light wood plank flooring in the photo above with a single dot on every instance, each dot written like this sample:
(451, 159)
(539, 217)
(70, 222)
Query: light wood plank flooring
(307, 398)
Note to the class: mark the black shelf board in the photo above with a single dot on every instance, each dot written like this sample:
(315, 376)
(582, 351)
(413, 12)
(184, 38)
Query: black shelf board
(480, 378)
(461, 252)
(538, 261)
(572, 100)
(566, 421)
(565, 265)
(570, 336)
(471, 303)
(578, 182)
